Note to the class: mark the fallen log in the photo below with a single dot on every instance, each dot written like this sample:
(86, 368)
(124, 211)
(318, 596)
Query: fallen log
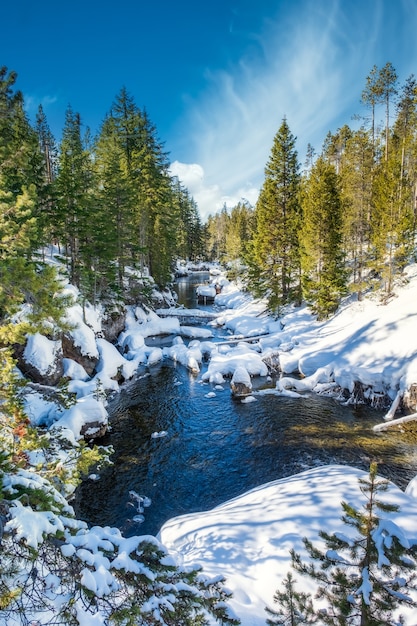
(401, 420)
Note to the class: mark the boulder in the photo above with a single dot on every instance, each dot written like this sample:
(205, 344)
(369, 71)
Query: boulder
(40, 360)
(241, 384)
(93, 430)
(113, 324)
(71, 351)
(410, 398)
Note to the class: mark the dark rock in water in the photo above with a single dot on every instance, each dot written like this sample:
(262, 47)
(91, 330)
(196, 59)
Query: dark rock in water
(241, 384)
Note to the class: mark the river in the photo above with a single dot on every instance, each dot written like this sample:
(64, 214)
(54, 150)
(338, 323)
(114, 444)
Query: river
(211, 449)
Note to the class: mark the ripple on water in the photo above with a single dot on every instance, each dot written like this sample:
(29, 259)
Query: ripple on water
(216, 448)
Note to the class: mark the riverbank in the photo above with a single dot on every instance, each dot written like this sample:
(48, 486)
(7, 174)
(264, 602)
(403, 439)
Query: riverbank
(367, 352)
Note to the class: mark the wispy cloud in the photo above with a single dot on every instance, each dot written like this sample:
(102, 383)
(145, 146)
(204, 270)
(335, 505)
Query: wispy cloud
(32, 102)
(314, 60)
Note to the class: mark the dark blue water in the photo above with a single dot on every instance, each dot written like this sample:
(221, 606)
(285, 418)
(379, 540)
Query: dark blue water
(217, 448)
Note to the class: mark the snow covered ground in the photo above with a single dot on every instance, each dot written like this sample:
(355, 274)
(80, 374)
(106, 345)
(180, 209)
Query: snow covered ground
(248, 539)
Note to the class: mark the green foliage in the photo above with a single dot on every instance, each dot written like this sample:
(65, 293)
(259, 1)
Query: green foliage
(275, 258)
(295, 607)
(322, 256)
(363, 578)
(228, 233)
(142, 585)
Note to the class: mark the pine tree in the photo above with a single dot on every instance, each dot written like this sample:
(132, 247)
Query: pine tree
(371, 96)
(364, 578)
(275, 245)
(158, 206)
(21, 278)
(189, 244)
(387, 88)
(115, 201)
(73, 185)
(322, 258)
(392, 221)
(151, 209)
(295, 607)
(47, 144)
(239, 231)
(357, 173)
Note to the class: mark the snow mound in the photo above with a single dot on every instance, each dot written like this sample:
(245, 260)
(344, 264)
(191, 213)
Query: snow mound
(248, 539)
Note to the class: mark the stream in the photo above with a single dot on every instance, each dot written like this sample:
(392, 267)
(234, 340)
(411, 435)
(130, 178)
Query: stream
(177, 451)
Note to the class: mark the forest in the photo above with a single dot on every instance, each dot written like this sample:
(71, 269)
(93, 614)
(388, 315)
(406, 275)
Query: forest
(344, 222)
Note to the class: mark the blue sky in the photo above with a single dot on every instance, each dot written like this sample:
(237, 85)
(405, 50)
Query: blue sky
(216, 77)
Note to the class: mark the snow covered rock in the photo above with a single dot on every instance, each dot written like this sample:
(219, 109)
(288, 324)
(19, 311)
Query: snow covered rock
(75, 352)
(241, 384)
(41, 360)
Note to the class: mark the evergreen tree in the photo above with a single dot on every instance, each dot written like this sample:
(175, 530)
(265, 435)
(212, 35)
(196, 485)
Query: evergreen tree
(357, 172)
(275, 245)
(115, 201)
(21, 279)
(392, 222)
(151, 210)
(295, 607)
(47, 211)
(239, 231)
(322, 259)
(47, 144)
(158, 205)
(73, 185)
(190, 231)
(387, 88)
(217, 226)
(366, 577)
(371, 96)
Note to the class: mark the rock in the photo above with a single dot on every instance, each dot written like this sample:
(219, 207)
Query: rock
(40, 360)
(410, 398)
(113, 324)
(71, 351)
(241, 384)
(93, 430)
(271, 360)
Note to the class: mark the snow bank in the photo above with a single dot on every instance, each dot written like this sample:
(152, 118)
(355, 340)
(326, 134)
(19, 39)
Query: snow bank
(41, 352)
(86, 411)
(248, 539)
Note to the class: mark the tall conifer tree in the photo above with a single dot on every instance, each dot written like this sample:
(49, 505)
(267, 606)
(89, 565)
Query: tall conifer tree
(324, 278)
(73, 186)
(275, 245)
(357, 173)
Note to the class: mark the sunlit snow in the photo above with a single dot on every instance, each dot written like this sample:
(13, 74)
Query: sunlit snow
(247, 539)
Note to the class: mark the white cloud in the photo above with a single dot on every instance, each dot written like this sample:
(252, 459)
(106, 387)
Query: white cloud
(209, 198)
(32, 102)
